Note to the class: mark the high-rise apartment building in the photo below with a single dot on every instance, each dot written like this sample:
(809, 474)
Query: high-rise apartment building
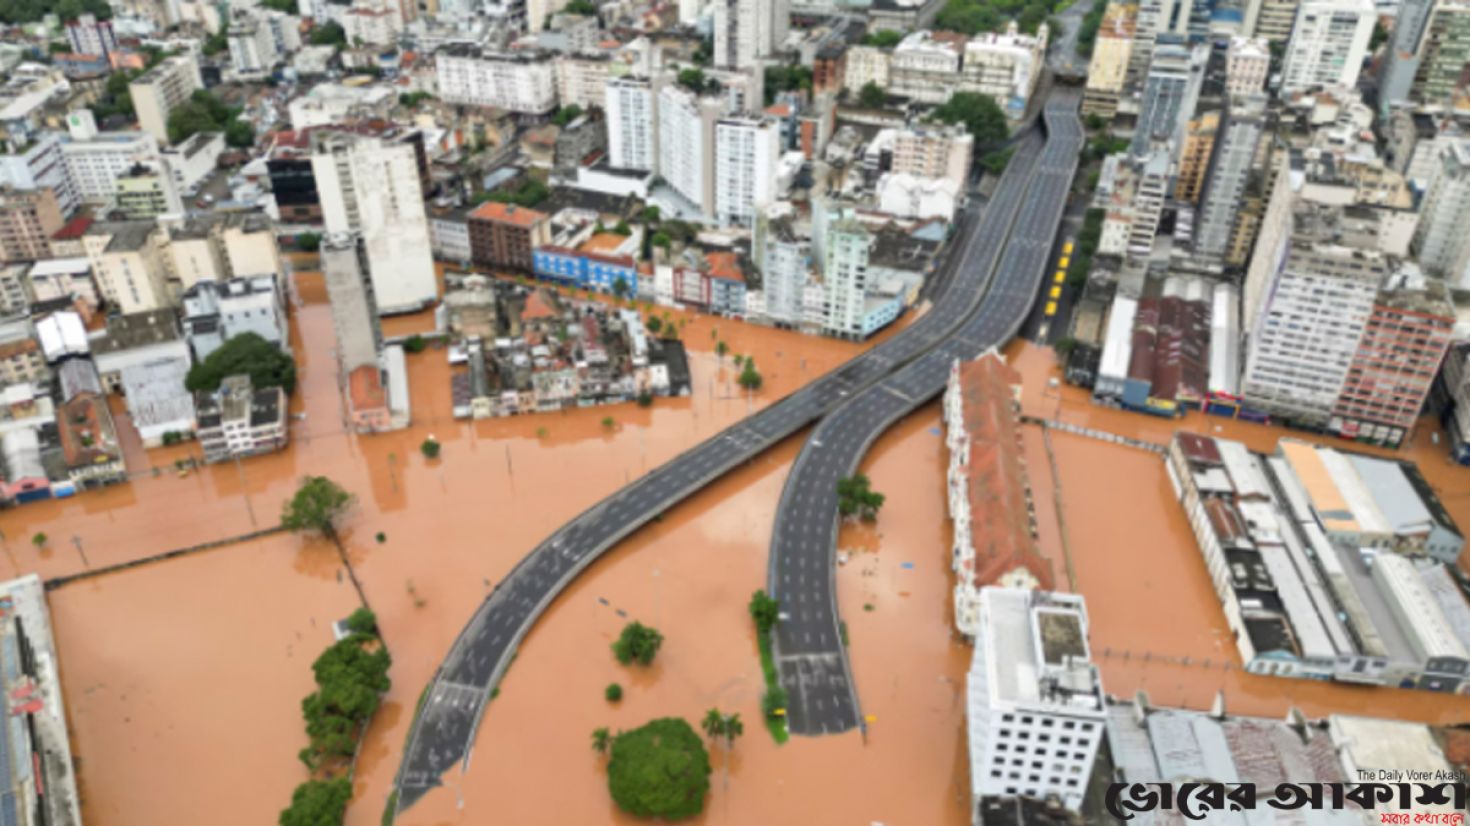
(746, 154)
(1169, 93)
(1401, 62)
(163, 89)
(88, 35)
(1231, 164)
(1194, 154)
(631, 135)
(1311, 320)
(747, 31)
(1398, 357)
(784, 264)
(517, 82)
(845, 275)
(28, 219)
(1247, 65)
(1329, 42)
(1035, 712)
(686, 144)
(40, 165)
(1441, 242)
(1273, 19)
(1111, 54)
(1444, 53)
(370, 185)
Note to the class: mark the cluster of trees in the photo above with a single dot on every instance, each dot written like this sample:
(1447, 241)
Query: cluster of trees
(245, 353)
(115, 98)
(283, 6)
(329, 34)
(695, 81)
(1087, 238)
(585, 8)
(749, 377)
(351, 678)
(204, 112)
(765, 612)
(872, 96)
(29, 11)
(787, 79)
(856, 497)
(411, 100)
(316, 507)
(1087, 32)
(995, 162)
(980, 114)
(566, 114)
(883, 39)
(660, 769)
(528, 194)
(975, 16)
(639, 643)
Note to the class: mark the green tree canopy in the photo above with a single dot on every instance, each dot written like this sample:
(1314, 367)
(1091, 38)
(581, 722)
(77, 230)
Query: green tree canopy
(764, 610)
(883, 39)
(329, 34)
(872, 95)
(660, 769)
(240, 134)
(855, 496)
(247, 353)
(980, 114)
(318, 803)
(749, 378)
(566, 114)
(286, 6)
(638, 642)
(316, 506)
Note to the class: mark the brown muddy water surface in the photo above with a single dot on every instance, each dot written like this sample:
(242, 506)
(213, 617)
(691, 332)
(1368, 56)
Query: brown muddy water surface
(183, 679)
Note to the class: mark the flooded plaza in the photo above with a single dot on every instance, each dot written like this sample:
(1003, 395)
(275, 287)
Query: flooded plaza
(169, 666)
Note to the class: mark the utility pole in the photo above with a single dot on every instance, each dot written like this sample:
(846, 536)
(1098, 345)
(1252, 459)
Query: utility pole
(77, 541)
(244, 489)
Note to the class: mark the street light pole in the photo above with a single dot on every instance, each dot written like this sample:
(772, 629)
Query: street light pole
(77, 541)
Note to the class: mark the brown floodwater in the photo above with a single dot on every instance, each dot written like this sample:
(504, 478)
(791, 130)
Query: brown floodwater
(159, 663)
(499, 488)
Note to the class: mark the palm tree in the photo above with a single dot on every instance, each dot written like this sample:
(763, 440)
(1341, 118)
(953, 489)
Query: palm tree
(601, 740)
(713, 724)
(733, 729)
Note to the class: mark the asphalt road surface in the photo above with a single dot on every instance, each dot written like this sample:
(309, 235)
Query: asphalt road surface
(1009, 254)
(444, 729)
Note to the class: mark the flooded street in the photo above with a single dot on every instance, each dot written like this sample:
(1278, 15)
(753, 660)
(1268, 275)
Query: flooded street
(160, 664)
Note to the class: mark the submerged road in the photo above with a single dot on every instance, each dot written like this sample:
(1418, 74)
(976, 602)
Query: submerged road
(444, 730)
(1022, 219)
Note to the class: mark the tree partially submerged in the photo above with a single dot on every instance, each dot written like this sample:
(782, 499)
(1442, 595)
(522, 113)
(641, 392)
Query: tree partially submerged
(316, 507)
(639, 643)
(855, 497)
(659, 770)
(246, 353)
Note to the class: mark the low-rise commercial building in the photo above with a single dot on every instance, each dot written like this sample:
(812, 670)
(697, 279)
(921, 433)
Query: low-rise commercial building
(503, 236)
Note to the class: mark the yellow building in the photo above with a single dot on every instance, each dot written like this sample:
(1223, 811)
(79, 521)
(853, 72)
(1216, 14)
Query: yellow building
(1194, 155)
(1110, 55)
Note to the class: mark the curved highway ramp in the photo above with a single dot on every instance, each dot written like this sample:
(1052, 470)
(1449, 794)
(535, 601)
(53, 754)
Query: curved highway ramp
(454, 702)
(1026, 209)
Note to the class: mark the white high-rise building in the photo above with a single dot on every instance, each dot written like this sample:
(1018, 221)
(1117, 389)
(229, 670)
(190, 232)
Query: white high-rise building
(1329, 42)
(629, 106)
(370, 186)
(845, 275)
(784, 263)
(746, 154)
(517, 82)
(747, 31)
(1441, 241)
(686, 144)
(1315, 308)
(1034, 707)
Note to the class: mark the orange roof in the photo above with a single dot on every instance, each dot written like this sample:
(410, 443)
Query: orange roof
(538, 306)
(507, 214)
(724, 265)
(605, 242)
(1000, 516)
(365, 389)
(782, 110)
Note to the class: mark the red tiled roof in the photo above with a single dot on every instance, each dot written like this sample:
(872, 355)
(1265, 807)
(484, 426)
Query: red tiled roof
(365, 389)
(725, 265)
(782, 110)
(538, 306)
(1000, 513)
(508, 214)
(75, 228)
